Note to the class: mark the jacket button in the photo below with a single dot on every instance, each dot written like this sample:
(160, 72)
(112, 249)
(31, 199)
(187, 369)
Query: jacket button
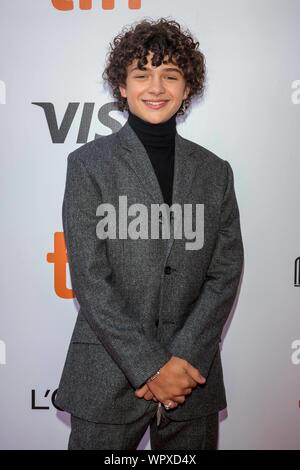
(168, 270)
(156, 323)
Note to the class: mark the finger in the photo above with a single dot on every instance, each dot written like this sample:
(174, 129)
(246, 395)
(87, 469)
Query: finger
(156, 391)
(191, 383)
(171, 404)
(140, 392)
(148, 395)
(179, 399)
(195, 374)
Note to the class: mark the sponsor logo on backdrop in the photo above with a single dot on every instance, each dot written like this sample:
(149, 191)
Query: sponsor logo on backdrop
(59, 259)
(59, 132)
(2, 353)
(295, 357)
(43, 401)
(296, 93)
(2, 92)
(67, 5)
(297, 272)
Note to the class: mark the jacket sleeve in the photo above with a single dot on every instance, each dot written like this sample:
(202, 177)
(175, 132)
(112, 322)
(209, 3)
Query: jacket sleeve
(198, 340)
(101, 303)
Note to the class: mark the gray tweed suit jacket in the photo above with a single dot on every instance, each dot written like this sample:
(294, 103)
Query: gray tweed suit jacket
(134, 313)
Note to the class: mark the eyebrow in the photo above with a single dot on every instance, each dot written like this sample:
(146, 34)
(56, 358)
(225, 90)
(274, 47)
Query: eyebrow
(167, 69)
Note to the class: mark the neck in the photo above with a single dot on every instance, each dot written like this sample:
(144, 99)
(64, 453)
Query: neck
(161, 134)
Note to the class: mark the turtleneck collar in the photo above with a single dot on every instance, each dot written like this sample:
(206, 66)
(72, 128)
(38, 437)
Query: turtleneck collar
(155, 135)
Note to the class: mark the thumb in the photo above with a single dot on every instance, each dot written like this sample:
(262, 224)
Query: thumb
(195, 374)
(140, 392)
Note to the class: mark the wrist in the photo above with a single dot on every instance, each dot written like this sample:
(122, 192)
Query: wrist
(154, 376)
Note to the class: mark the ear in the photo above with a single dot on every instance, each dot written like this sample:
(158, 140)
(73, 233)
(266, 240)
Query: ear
(186, 93)
(123, 91)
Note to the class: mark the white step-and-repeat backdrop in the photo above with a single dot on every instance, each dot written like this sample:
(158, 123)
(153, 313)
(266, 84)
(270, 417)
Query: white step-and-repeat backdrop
(52, 100)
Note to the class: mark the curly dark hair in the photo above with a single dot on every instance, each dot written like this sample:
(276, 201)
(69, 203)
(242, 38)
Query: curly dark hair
(163, 37)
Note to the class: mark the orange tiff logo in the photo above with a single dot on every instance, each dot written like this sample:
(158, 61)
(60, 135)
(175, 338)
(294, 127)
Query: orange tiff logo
(66, 5)
(59, 259)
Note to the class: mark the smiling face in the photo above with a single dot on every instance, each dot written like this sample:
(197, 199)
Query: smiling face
(156, 93)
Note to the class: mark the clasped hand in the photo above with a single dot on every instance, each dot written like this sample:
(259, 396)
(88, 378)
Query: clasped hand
(176, 380)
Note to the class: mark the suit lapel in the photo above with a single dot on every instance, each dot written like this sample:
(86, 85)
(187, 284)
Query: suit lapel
(184, 169)
(184, 172)
(137, 158)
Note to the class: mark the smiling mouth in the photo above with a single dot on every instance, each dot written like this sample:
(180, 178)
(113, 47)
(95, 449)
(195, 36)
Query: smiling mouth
(155, 104)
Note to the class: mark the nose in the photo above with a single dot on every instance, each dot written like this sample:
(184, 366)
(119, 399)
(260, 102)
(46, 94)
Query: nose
(156, 85)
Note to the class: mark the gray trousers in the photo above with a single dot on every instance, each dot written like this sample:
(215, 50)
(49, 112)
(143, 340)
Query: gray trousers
(196, 434)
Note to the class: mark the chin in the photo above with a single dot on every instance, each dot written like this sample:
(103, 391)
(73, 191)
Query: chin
(156, 118)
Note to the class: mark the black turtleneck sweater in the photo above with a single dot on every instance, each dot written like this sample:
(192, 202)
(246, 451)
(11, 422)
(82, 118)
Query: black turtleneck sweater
(159, 142)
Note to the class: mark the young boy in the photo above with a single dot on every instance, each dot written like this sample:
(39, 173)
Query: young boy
(145, 347)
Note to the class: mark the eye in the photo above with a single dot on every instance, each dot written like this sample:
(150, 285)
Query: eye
(172, 78)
